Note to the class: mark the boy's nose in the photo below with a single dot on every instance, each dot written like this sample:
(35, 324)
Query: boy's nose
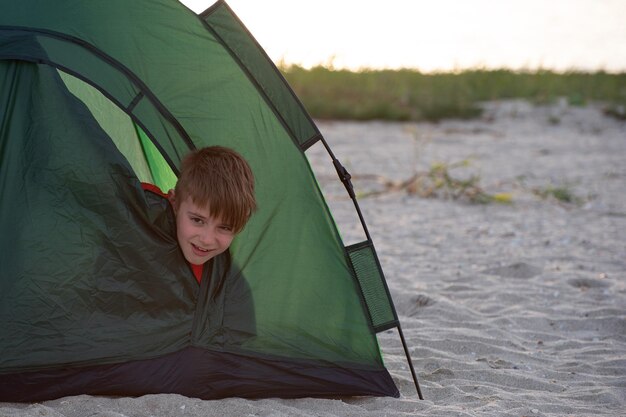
(207, 237)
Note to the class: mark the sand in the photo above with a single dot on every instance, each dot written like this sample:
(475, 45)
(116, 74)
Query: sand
(512, 309)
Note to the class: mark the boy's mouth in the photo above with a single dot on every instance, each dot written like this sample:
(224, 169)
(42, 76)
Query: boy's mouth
(199, 250)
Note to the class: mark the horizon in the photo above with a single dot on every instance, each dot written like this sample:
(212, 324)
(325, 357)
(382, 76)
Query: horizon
(439, 36)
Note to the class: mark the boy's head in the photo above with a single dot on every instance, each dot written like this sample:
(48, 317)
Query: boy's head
(213, 200)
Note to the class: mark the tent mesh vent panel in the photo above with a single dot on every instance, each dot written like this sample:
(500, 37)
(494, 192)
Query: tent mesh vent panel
(373, 286)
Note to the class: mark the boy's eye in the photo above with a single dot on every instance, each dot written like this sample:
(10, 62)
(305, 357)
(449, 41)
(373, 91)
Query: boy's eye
(226, 228)
(197, 220)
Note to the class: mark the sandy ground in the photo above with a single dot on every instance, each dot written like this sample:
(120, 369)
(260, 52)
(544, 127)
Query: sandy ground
(508, 309)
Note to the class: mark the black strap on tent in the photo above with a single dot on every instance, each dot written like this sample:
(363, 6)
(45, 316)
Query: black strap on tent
(373, 284)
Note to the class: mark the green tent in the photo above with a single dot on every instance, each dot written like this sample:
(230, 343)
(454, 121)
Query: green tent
(95, 296)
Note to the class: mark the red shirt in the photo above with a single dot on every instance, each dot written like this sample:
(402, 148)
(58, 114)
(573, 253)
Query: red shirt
(197, 269)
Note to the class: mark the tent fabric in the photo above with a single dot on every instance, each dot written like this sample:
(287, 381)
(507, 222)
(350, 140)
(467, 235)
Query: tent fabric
(95, 296)
(200, 373)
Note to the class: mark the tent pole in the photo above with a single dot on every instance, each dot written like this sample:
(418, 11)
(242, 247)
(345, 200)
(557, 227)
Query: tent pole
(345, 179)
(408, 359)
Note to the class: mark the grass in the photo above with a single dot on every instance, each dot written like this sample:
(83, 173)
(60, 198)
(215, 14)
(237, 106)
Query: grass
(409, 95)
(563, 194)
(439, 182)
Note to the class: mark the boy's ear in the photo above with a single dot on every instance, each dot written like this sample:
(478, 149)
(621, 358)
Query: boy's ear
(171, 196)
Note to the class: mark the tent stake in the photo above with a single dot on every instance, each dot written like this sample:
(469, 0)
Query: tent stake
(408, 358)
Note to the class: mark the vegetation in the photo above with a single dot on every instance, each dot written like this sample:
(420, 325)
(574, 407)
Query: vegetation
(403, 95)
(409, 95)
(438, 182)
(562, 194)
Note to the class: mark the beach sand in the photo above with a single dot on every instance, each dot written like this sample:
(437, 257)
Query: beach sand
(512, 309)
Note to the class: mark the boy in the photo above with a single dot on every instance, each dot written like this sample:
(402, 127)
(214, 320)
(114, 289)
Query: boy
(212, 201)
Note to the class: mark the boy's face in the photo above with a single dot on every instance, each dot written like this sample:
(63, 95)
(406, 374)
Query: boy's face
(200, 236)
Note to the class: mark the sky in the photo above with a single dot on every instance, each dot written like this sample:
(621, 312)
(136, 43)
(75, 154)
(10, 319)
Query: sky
(438, 35)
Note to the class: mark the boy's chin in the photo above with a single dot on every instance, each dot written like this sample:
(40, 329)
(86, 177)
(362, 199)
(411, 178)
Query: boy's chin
(195, 260)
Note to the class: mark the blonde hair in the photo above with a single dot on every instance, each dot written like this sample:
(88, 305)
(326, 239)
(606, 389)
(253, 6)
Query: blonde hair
(221, 180)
